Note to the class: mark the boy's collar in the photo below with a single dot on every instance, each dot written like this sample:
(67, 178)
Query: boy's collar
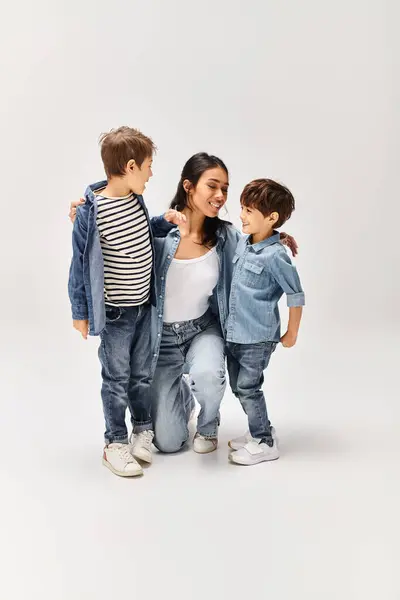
(91, 190)
(272, 239)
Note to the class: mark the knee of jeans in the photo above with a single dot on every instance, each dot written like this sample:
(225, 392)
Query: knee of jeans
(247, 389)
(207, 378)
(168, 444)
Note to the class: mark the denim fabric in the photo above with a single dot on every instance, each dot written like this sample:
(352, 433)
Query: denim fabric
(246, 363)
(262, 273)
(86, 276)
(125, 356)
(165, 248)
(198, 347)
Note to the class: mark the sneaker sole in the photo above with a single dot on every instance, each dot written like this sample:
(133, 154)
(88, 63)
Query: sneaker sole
(143, 458)
(121, 473)
(249, 464)
(205, 451)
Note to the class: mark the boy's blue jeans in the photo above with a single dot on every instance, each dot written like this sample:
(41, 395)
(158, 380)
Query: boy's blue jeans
(246, 363)
(125, 356)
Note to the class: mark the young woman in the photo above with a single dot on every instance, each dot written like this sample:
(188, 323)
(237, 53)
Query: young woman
(194, 266)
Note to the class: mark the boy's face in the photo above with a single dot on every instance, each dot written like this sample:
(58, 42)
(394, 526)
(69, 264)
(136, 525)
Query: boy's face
(254, 222)
(136, 177)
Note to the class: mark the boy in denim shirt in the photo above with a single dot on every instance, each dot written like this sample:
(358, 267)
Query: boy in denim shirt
(111, 288)
(262, 273)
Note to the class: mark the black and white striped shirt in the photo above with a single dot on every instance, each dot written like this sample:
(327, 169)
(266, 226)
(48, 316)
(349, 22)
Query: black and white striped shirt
(127, 252)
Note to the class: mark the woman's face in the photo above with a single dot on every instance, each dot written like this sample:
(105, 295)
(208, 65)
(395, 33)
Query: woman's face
(210, 193)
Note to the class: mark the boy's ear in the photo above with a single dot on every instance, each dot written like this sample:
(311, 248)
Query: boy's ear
(131, 165)
(273, 218)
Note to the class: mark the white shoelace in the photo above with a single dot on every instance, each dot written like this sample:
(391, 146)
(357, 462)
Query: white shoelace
(145, 438)
(125, 454)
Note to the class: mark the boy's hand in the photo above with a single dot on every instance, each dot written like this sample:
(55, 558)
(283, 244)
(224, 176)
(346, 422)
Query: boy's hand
(174, 216)
(72, 208)
(82, 327)
(290, 242)
(289, 339)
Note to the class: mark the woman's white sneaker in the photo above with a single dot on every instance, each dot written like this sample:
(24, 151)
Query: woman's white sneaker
(254, 452)
(241, 441)
(204, 445)
(118, 458)
(141, 445)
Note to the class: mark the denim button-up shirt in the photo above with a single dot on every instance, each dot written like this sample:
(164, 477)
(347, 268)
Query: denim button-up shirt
(166, 247)
(86, 275)
(262, 273)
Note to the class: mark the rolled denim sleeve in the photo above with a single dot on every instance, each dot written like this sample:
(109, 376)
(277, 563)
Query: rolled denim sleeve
(76, 285)
(287, 277)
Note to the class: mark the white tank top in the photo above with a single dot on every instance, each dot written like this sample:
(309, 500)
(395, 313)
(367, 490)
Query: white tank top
(189, 286)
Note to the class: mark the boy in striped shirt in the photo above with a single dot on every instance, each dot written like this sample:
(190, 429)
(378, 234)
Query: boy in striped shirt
(111, 288)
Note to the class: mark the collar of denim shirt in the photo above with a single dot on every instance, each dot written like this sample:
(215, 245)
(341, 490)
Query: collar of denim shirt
(92, 189)
(244, 242)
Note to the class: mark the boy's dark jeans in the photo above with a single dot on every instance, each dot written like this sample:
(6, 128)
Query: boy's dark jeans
(246, 363)
(125, 356)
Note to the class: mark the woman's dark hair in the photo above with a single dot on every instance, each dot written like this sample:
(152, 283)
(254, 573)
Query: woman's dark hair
(192, 171)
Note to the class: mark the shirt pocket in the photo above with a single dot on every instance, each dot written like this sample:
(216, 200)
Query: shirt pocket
(253, 274)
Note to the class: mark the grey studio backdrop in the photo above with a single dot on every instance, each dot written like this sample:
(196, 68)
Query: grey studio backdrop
(304, 92)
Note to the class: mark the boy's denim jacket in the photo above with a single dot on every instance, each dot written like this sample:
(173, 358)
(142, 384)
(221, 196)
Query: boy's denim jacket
(262, 273)
(86, 275)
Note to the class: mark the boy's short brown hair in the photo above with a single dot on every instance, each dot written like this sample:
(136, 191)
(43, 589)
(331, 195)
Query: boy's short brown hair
(121, 145)
(268, 196)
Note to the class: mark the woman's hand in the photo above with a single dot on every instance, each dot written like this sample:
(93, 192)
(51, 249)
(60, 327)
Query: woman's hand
(72, 208)
(289, 241)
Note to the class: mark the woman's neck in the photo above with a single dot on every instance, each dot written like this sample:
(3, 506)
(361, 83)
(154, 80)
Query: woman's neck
(194, 226)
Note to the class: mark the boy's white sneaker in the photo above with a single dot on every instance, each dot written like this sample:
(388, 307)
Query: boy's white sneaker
(141, 445)
(118, 458)
(254, 452)
(204, 445)
(241, 441)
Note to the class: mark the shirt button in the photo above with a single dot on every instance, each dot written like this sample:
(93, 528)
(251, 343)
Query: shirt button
(158, 334)
(155, 355)
(162, 278)
(160, 316)
(169, 256)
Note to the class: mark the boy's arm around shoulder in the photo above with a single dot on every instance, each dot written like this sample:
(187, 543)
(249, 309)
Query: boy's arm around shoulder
(160, 227)
(76, 285)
